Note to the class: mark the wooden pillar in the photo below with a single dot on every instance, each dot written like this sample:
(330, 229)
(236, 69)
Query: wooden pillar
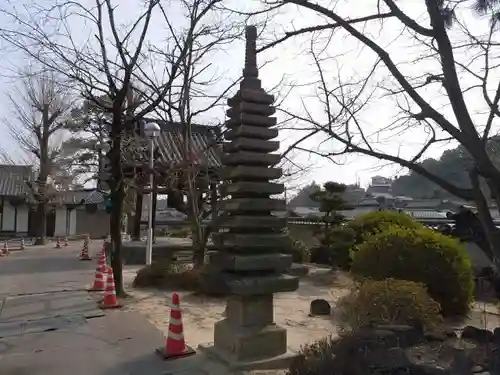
(136, 230)
(214, 200)
(155, 198)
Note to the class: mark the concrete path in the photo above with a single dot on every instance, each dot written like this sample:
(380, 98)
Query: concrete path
(49, 324)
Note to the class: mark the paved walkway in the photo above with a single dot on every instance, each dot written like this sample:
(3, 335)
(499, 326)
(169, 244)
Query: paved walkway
(49, 324)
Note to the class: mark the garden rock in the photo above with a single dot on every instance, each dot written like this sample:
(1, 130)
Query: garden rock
(477, 334)
(320, 307)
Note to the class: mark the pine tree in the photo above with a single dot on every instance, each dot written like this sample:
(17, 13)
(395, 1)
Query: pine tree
(334, 237)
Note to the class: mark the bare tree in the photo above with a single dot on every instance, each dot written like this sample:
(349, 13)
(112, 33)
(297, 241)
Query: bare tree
(454, 64)
(40, 106)
(106, 61)
(198, 91)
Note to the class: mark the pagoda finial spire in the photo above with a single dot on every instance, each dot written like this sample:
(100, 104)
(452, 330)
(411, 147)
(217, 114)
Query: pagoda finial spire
(250, 70)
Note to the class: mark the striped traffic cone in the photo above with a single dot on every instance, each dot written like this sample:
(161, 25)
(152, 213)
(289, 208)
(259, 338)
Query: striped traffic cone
(175, 345)
(110, 301)
(66, 242)
(58, 243)
(100, 271)
(84, 255)
(103, 251)
(5, 249)
(23, 246)
(102, 261)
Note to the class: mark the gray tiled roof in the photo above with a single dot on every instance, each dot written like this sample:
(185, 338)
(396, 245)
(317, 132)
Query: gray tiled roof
(13, 180)
(170, 143)
(90, 196)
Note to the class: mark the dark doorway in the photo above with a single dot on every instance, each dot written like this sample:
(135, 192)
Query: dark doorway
(31, 222)
(51, 222)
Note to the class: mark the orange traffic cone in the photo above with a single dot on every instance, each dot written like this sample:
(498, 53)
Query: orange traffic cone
(84, 255)
(98, 285)
(175, 345)
(66, 242)
(101, 261)
(100, 271)
(5, 249)
(58, 243)
(110, 301)
(103, 251)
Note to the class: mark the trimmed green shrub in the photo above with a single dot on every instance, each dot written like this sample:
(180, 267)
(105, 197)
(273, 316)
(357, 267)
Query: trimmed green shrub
(168, 275)
(337, 243)
(154, 275)
(377, 221)
(389, 301)
(299, 251)
(422, 255)
(315, 358)
(335, 247)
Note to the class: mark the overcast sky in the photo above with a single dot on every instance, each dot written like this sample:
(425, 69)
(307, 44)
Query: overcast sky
(292, 65)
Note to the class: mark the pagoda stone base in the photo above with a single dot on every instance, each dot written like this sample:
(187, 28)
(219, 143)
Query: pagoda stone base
(248, 338)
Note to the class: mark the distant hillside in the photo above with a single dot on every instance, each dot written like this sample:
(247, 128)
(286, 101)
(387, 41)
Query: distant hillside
(452, 166)
(302, 199)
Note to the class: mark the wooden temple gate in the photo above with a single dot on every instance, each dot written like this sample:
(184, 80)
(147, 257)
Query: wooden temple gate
(176, 149)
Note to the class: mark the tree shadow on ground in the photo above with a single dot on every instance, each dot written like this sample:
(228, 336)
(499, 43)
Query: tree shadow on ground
(36, 265)
(152, 363)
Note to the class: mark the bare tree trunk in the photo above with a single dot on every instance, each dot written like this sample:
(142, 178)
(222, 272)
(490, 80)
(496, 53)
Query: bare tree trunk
(41, 188)
(198, 249)
(136, 230)
(200, 236)
(41, 223)
(117, 198)
(490, 231)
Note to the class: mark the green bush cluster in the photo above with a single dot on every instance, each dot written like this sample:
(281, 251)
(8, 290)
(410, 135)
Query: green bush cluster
(338, 243)
(389, 301)
(422, 255)
(299, 251)
(407, 274)
(335, 247)
(167, 274)
(315, 358)
(377, 221)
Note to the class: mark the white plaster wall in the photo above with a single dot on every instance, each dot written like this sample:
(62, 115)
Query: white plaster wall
(72, 222)
(8, 218)
(60, 229)
(22, 219)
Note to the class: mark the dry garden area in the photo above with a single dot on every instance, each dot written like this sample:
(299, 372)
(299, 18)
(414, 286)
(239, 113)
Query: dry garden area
(402, 301)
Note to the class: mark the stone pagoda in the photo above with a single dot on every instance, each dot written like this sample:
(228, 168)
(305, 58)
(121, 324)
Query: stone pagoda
(249, 264)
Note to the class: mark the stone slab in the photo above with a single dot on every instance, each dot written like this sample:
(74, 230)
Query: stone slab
(272, 363)
(40, 306)
(17, 328)
(116, 344)
(134, 252)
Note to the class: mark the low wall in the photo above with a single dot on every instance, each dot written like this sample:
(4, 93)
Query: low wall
(134, 253)
(304, 233)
